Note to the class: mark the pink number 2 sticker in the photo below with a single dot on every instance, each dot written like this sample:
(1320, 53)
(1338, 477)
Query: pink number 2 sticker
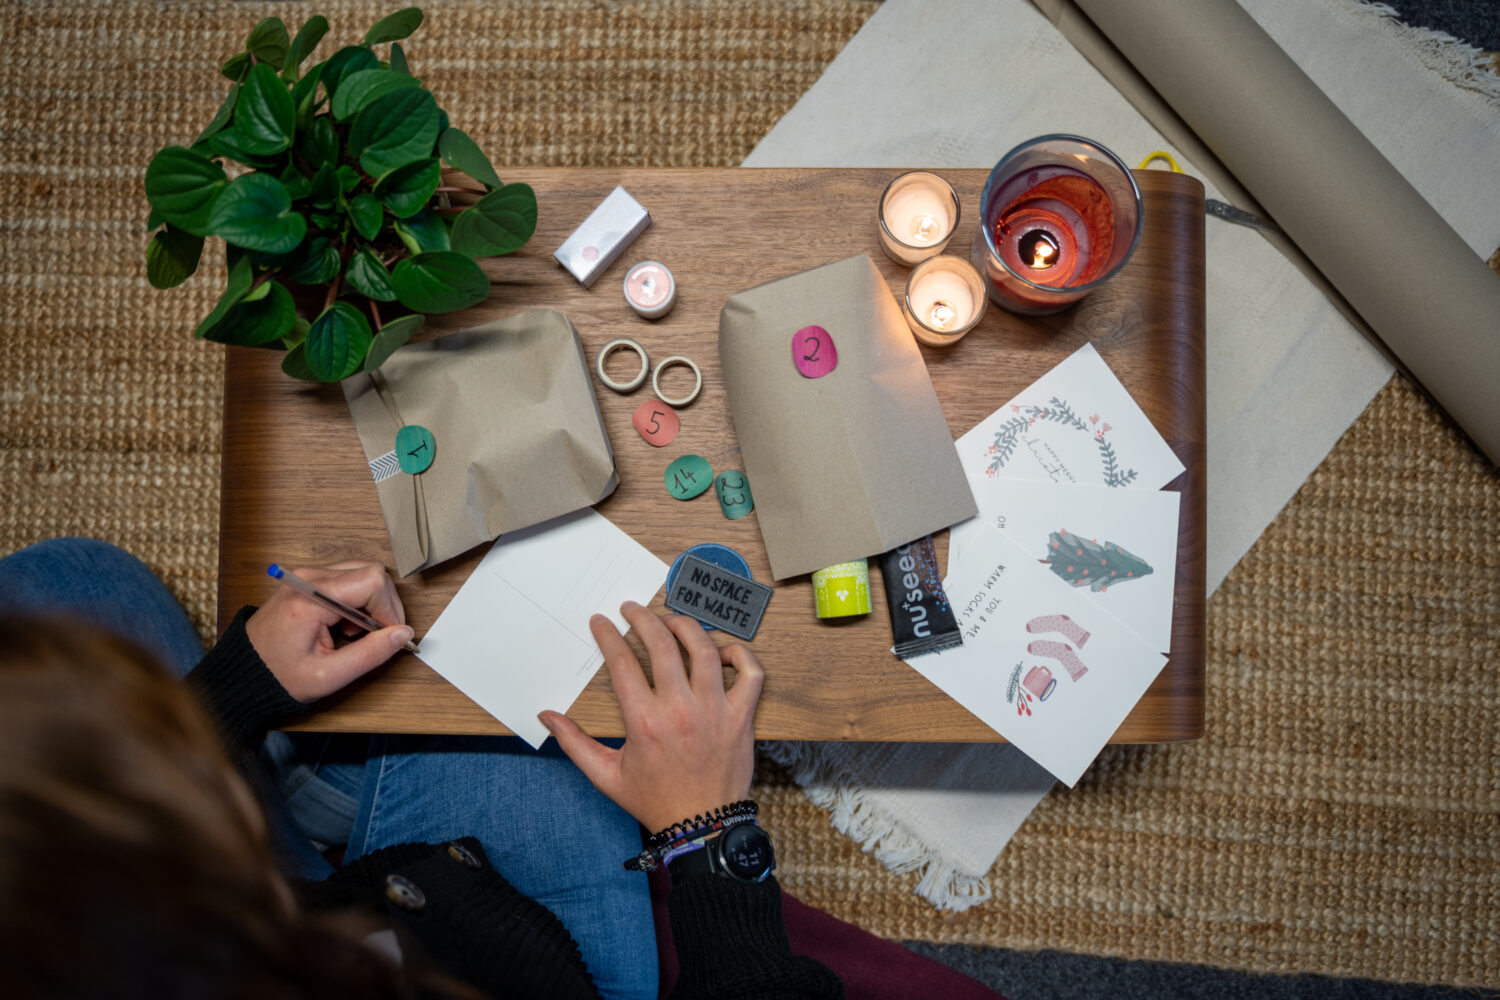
(813, 352)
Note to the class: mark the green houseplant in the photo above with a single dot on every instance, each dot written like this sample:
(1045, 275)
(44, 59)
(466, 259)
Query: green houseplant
(343, 195)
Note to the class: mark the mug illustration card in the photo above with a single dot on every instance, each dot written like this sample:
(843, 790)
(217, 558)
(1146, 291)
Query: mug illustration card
(1075, 425)
(1117, 548)
(1040, 663)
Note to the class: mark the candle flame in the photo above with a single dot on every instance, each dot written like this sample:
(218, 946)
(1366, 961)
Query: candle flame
(1041, 253)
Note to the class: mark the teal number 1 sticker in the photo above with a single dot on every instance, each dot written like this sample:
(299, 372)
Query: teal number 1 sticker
(733, 490)
(689, 476)
(414, 449)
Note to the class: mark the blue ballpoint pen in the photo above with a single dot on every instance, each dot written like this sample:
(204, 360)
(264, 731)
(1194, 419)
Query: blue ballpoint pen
(364, 621)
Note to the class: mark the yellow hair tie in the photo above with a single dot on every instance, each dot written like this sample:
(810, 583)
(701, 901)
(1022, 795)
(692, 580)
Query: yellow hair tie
(1161, 154)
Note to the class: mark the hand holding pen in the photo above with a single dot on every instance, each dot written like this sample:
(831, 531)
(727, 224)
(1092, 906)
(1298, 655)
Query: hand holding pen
(291, 631)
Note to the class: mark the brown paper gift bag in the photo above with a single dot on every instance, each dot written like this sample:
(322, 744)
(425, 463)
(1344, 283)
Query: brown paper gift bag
(518, 437)
(853, 463)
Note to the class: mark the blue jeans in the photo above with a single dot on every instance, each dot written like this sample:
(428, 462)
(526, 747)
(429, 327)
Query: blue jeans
(545, 828)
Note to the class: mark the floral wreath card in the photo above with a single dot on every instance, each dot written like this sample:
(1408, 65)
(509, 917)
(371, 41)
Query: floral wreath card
(1040, 664)
(1117, 548)
(1076, 424)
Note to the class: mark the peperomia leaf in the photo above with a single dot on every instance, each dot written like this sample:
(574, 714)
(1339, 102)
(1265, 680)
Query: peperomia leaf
(369, 277)
(319, 265)
(337, 342)
(319, 145)
(268, 42)
(500, 222)
(297, 335)
(305, 96)
(297, 186)
(400, 127)
(183, 188)
(439, 282)
(424, 232)
(256, 213)
(398, 58)
(394, 26)
(171, 256)
(308, 37)
(348, 178)
(241, 275)
(235, 67)
(295, 364)
(229, 144)
(222, 116)
(407, 190)
(367, 215)
(391, 336)
(359, 90)
(346, 61)
(325, 187)
(265, 117)
(461, 153)
(264, 315)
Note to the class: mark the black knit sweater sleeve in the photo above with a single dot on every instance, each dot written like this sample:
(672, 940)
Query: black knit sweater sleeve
(235, 685)
(732, 945)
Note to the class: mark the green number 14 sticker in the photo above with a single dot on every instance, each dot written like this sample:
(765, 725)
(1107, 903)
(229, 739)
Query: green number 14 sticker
(689, 476)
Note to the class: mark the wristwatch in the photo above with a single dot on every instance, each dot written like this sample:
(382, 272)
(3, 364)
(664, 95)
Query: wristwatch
(742, 852)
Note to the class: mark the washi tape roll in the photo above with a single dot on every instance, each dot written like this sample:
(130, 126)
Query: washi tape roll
(622, 343)
(677, 359)
(843, 589)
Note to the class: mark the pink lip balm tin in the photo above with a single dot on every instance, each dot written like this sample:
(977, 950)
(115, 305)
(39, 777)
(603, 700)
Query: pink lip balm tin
(650, 289)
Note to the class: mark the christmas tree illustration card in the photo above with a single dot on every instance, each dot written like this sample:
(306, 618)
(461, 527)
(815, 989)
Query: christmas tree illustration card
(1041, 664)
(1076, 425)
(1117, 548)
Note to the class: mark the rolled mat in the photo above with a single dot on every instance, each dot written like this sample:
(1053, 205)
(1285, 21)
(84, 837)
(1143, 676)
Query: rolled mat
(1418, 285)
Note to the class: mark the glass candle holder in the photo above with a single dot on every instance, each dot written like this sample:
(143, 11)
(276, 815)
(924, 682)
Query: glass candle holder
(918, 214)
(1059, 216)
(945, 299)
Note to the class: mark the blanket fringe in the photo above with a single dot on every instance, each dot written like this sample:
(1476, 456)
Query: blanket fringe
(1455, 60)
(876, 831)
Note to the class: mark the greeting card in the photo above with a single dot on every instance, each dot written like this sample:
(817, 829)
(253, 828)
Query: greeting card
(1075, 425)
(1041, 665)
(1117, 548)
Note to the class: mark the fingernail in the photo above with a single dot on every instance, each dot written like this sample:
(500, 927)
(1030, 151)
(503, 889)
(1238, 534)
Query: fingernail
(401, 636)
(542, 718)
(598, 620)
(628, 605)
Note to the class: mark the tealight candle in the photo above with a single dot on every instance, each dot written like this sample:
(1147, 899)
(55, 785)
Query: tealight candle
(650, 289)
(1059, 216)
(944, 300)
(918, 214)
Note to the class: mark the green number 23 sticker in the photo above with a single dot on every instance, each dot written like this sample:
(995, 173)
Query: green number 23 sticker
(733, 490)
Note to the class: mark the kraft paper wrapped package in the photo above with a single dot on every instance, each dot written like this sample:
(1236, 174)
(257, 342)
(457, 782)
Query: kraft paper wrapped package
(516, 433)
(850, 463)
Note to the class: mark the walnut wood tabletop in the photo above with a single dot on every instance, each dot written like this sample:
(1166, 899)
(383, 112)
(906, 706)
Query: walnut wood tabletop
(296, 488)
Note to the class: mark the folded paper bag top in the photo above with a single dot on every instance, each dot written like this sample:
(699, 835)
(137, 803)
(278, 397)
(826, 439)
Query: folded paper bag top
(853, 463)
(518, 432)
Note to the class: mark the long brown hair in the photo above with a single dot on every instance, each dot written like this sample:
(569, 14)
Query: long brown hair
(134, 861)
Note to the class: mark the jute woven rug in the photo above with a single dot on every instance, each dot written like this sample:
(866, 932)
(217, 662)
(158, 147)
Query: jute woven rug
(1341, 815)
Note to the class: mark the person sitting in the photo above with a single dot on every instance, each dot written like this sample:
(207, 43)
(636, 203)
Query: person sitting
(145, 852)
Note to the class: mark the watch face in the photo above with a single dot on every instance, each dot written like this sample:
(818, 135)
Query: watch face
(746, 851)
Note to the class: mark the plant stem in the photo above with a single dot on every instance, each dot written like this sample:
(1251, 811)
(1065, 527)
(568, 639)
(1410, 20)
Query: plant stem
(375, 314)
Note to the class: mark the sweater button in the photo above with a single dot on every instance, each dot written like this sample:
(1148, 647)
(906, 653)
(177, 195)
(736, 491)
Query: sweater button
(464, 856)
(404, 893)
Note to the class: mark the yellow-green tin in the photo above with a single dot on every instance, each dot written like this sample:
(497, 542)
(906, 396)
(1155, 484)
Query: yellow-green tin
(843, 589)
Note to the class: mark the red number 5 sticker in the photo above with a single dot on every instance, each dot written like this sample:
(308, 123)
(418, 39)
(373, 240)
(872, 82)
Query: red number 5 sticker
(657, 422)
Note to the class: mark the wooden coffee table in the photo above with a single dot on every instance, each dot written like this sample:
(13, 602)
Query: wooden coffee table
(296, 489)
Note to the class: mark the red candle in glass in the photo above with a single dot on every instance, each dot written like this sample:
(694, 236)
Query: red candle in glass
(1060, 214)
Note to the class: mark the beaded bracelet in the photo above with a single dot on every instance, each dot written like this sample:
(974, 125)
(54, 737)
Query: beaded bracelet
(697, 829)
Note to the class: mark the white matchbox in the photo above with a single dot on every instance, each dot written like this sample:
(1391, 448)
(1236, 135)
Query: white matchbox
(604, 235)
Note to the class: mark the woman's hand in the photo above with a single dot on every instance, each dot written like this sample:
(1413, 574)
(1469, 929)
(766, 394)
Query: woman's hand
(290, 631)
(689, 744)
